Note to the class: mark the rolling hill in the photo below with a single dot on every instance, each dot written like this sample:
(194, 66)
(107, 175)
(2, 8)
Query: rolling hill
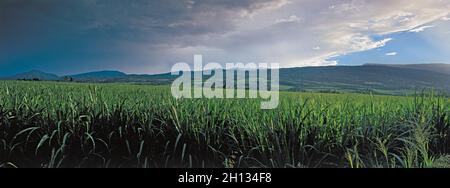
(98, 76)
(34, 75)
(376, 78)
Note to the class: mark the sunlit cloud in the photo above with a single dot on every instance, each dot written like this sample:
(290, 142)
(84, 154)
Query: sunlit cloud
(421, 29)
(391, 53)
(292, 18)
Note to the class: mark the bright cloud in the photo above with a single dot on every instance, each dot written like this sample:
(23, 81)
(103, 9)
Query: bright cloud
(330, 28)
(292, 18)
(391, 53)
(316, 48)
(420, 29)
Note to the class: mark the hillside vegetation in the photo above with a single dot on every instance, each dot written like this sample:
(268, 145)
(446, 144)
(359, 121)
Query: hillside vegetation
(379, 79)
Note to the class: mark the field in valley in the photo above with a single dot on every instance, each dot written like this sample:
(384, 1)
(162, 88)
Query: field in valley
(57, 124)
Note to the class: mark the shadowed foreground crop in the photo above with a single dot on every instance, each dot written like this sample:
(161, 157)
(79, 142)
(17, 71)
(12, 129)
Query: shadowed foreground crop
(50, 124)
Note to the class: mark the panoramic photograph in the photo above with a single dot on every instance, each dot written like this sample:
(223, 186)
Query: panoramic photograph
(224, 84)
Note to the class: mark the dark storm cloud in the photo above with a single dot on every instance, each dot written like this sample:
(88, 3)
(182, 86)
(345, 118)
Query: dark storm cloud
(131, 20)
(67, 36)
(53, 33)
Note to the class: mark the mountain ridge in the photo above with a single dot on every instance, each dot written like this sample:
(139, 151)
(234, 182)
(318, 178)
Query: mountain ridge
(378, 78)
(34, 74)
(105, 74)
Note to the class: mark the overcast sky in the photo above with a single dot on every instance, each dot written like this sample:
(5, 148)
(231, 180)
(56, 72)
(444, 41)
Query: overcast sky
(66, 36)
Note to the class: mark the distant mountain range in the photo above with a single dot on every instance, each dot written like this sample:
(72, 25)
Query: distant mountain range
(389, 79)
(376, 78)
(98, 76)
(34, 74)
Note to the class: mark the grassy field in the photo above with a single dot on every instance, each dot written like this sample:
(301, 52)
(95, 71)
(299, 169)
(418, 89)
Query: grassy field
(50, 124)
